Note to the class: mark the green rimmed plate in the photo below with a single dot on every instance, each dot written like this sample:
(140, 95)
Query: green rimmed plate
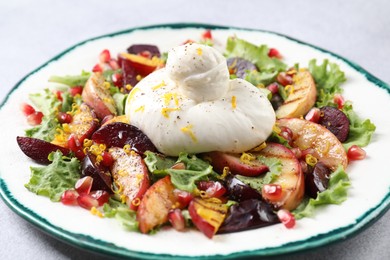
(77, 226)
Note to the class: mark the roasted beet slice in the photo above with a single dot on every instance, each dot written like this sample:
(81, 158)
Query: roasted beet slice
(119, 134)
(129, 75)
(102, 179)
(144, 49)
(317, 179)
(239, 191)
(335, 121)
(248, 214)
(240, 66)
(38, 149)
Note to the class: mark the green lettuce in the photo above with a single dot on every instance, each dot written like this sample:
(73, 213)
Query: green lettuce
(121, 212)
(71, 80)
(261, 79)
(336, 193)
(360, 131)
(52, 180)
(328, 78)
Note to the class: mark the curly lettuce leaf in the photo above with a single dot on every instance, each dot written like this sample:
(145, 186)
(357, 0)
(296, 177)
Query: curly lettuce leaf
(336, 193)
(121, 212)
(261, 79)
(360, 131)
(71, 80)
(258, 55)
(328, 78)
(52, 180)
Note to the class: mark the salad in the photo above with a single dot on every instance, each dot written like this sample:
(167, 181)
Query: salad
(195, 137)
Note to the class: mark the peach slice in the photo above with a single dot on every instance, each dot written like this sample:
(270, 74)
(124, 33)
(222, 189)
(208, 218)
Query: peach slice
(325, 145)
(302, 96)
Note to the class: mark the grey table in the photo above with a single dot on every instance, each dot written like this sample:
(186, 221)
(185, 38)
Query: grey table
(31, 32)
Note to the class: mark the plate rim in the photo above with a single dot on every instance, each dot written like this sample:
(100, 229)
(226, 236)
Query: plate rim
(361, 223)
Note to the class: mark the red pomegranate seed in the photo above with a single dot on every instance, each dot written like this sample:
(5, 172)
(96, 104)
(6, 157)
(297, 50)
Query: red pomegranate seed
(69, 197)
(313, 115)
(87, 201)
(64, 118)
(274, 53)
(284, 79)
(84, 185)
(286, 133)
(212, 189)
(107, 159)
(27, 109)
(207, 35)
(286, 217)
(76, 90)
(104, 56)
(59, 95)
(176, 219)
(35, 118)
(114, 64)
(183, 197)
(273, 87)
(75, 145)
(339, 100)
(272, 191)
(117, 79)
(97, 68)
(101, 196)
(356, 153)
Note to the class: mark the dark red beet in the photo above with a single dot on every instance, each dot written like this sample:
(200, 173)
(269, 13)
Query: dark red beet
(129, 75)
(102, 179)
(38, 149)
(240, 66)
(335, 121)
(119, 134)
(248, 214)
(317, 179)
(239, 191)
(141, 48)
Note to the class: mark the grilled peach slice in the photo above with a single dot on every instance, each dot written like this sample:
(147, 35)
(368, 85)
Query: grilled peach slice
(291, 179)
(130, 174)
(325, 145)
(155, 205)
(96, 94)
(302, 96)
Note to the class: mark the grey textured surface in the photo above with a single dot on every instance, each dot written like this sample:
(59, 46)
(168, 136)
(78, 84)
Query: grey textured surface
(34, 31)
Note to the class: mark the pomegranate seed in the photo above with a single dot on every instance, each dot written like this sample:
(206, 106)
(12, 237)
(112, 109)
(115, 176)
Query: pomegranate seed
(97, 68)
(69, 197)
(176, 219)
(107, 159)
(35, 118)
(183, 197)
(272, 192)
(284, 79)
(101, 196)
(356, 153)
(117, 79)
(273, 87)
(114, 64)
(84, 185)
(64, 118)
(207, 35)
(213, 189)
(59, 95)
(313, 115)
(286, 217)
(75, 145)
(286, 133)
(87, 201)
(104, 56)
(27, 109)
(339, 100)
(274, 53)
(77, 90)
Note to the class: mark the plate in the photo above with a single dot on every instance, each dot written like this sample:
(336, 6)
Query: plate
(369, 195)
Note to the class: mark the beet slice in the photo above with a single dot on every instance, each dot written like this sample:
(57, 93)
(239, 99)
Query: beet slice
(38, 149)
(140, 48)
(102, 179)
(335, 121)
(119, 134)
(317, 180)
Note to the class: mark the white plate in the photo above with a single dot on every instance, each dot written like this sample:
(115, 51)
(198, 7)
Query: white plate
(369, 195)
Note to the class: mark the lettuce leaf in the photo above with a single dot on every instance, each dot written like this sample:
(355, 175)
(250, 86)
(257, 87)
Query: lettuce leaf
(261, 79)
(46, 130)
(52, 180)
(121, 212)
(336, 193)
(258, 55)
(328, 78)
(71, 80)
(360, 131)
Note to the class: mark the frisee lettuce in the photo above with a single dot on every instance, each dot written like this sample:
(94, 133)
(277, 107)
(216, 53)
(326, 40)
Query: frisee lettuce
(121, 212)
(336, 193)
(52, 180)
